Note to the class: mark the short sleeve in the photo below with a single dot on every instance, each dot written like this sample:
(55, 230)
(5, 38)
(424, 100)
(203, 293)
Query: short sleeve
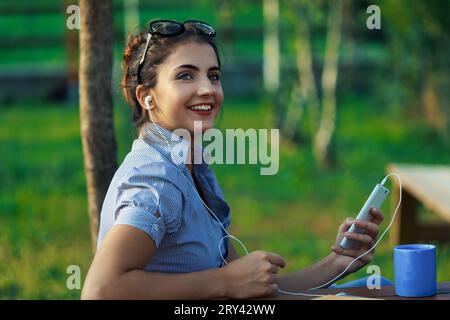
(149, 202)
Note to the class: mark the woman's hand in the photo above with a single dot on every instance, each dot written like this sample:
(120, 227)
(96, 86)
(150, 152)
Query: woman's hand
(253, 275)
(343, 257)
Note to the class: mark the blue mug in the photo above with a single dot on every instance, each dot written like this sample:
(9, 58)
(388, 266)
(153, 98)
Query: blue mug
(415, 270)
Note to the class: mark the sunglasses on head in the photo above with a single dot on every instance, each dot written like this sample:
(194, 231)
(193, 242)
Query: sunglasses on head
(171, 28)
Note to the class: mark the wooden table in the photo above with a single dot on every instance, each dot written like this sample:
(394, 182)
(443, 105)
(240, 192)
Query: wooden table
(385, 293)
(422, 184)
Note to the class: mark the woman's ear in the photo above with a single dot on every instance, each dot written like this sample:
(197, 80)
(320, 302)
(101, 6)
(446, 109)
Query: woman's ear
(142, 92)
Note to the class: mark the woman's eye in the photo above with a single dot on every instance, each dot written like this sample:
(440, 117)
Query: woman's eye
(188, 76)
(214, 77)
(184, 76)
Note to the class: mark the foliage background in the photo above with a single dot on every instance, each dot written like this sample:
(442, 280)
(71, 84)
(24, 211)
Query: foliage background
(44, 225)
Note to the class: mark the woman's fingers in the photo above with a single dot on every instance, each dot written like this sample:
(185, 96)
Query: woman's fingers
(345, 225)
(365, 239)
(370, 227)
(273, 278)
(353, 253)
(275, 259)
(377, 215)
(273, 269)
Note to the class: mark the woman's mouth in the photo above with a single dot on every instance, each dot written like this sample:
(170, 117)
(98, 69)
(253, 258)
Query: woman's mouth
(201, 109)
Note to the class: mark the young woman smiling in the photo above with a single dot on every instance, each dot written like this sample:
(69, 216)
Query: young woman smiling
(157, 238)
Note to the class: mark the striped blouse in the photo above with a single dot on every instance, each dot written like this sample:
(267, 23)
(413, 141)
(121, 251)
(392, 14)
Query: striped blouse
(149, 192)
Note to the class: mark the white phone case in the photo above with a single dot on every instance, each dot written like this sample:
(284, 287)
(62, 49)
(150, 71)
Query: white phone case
(375, 200)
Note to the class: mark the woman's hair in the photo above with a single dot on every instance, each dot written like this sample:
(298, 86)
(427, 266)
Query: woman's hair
(159, 49)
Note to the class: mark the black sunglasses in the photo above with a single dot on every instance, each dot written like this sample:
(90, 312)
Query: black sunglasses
(171, 28)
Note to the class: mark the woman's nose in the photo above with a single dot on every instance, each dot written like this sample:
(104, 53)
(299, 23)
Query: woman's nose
(205, 87)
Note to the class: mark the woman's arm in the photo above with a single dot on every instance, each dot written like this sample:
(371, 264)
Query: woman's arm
(317, 274)
(307, 278)
(117, 272)
(312, 276)
(335, 263)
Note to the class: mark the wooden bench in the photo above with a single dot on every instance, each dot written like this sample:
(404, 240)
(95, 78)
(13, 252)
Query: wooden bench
(422, 184)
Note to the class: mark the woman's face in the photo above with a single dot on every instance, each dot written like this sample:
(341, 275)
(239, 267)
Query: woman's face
(189, 77)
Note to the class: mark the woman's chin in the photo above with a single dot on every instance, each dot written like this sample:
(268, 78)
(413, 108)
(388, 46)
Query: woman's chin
(202, 125)
(207, 126)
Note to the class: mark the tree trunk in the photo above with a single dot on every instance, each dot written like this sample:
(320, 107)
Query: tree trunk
(305, 68)
(130, 16)
(96, 105)
(71, 47)
(225, 11)
(294, 112)
(432, 109)
(324, 135)
(305, 94)
(271, 46)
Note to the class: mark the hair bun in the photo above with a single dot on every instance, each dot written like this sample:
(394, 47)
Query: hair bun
(133, 44)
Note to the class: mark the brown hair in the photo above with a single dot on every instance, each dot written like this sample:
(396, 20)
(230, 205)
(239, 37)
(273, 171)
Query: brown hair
(159, 49)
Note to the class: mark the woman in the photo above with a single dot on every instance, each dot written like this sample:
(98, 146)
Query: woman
(157, 238)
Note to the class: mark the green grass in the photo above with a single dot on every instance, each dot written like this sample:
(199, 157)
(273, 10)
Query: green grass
(43, 211)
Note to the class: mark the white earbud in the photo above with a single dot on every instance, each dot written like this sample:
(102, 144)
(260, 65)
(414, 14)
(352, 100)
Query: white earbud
(148, 100)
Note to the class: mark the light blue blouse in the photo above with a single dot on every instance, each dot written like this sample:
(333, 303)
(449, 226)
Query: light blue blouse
(149, 192)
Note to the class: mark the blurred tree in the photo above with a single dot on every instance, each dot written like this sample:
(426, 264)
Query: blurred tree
(71, 47)
(418, 34)
(304, 14)
(225, 13)
(130, 15)
(96, 104)
(271, 57)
